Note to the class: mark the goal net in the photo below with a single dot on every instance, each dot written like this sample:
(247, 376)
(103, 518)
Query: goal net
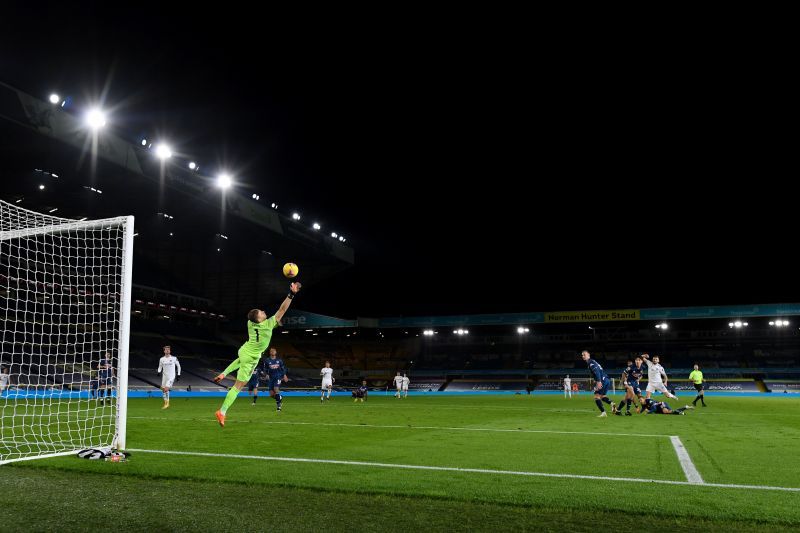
(65, 289)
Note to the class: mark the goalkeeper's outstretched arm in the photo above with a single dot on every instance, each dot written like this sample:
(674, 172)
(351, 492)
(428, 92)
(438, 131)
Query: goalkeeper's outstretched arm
(294, 288)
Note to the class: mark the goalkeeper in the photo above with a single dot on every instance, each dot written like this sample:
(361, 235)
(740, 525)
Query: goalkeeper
(259, 333)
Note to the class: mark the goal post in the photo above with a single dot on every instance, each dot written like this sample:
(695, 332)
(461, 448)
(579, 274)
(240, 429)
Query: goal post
(65, 301)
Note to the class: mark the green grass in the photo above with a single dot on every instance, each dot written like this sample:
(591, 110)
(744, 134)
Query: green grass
(736, 440)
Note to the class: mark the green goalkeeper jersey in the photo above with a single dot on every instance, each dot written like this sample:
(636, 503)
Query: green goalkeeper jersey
(258, 336)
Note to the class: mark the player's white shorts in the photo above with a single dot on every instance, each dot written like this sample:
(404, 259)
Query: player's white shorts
(660, 387)
(327, 383)
(405, 389)
(167, 382)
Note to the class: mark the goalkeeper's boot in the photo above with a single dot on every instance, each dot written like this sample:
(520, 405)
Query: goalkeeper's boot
(220, 418)
(219, 378)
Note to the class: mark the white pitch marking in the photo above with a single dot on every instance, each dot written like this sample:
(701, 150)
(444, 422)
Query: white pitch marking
(692, 475)
(468, 470)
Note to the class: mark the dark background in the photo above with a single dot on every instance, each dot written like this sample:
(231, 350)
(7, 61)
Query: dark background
(475, 162)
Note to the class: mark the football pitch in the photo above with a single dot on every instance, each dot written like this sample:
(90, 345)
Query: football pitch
(455, 463)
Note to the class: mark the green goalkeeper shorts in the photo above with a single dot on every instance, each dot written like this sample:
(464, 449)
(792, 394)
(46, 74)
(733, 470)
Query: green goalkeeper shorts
(248, 363)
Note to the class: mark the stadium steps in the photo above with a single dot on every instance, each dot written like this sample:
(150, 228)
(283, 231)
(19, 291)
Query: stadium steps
(140, 374)
(202, 380)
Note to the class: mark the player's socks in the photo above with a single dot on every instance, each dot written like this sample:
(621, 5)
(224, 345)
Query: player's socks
(255, 399)
(628, 404)
(229, 399)
(600, 406)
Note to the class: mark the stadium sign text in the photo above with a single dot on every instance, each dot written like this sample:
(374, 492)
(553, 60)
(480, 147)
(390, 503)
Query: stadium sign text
(592, 316)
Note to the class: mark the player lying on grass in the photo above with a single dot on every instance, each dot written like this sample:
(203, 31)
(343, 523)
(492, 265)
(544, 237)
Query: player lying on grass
(259, 332)
(663, 408)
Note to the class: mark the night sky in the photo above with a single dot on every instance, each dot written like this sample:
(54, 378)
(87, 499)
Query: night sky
(473, 166)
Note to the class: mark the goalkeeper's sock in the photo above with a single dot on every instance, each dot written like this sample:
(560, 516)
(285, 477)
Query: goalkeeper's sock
(229, 399)
(600, 406)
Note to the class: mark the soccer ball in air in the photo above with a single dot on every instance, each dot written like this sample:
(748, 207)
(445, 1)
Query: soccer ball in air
(290, 270)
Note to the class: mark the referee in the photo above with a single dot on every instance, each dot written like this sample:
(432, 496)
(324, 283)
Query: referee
(696, 377)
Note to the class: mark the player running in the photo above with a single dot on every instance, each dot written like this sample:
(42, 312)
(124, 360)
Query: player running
(277, 373)
(630, 379)
(398, 382)
(602, 383)
(567, 387)
(327, 381)
(166, 367)
(259, 333)
(656, 377)
(406, 381)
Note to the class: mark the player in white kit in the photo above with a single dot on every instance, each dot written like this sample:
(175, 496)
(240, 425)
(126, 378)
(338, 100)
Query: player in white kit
(327, 381)
(567, 387)
(656, 377)
(167, 366)
(5, 377)
(398, 382)
(406, 381)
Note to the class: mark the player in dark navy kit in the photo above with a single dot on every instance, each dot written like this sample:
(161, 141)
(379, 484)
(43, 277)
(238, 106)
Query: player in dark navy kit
(277, 373)
(105, 374)
(362, 392)
(630, 379)
(663, 408)
(259, 378)
(601, 386)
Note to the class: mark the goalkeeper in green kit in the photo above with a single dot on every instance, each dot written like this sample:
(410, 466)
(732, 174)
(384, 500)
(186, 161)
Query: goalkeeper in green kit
(259, 333)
